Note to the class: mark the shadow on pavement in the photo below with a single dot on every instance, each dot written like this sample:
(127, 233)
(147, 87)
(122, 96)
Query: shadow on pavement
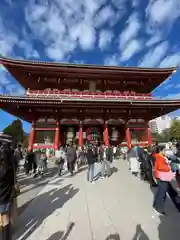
(113, 237)
(113, 170)
(23, 207)
(140, 234)
(62, 235)
(38, 181)
(169, 224)
(82, 168)
(68, 175)
(43, 206)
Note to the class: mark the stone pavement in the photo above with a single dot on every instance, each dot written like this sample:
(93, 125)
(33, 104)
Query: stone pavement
(111, 209)
(30, 186)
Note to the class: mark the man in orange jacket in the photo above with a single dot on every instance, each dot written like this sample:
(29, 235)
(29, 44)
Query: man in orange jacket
(161, 165)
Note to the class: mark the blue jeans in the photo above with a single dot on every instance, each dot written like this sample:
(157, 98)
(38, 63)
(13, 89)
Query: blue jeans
(106, 167)
(160, 196)
(5, 208)
(90, 173)
(60, 168)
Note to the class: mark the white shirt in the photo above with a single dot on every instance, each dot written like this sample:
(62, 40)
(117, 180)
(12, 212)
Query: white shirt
(114, 149)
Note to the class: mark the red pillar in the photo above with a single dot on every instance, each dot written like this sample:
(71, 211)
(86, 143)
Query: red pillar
(149, 137)
(56, 139)
(128, 137)
(106, 135)
(80, 140)
(31, 137)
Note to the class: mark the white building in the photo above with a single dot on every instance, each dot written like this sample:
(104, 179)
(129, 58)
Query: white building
(161, 123)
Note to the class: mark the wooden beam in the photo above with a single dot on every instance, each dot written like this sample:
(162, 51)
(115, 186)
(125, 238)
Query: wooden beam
(45, 129)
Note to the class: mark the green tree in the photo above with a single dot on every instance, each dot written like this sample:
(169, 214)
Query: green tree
(26, 141)
(15, 129)
(156, 137)
(175, 130)
(166, 135)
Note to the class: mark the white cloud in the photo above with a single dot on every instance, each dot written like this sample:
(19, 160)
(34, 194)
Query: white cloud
(78, 62)
(168, 86)
(135, 3)
(7, 86)
(85, 34)
(59, 49)
(29, 51)
(132, 48)
(105, 38)
(160, 12)
(75, 23)
(155, 55)
(154, 40)
(119, 4)
(111, 60)
(173, 96)
(131, 30)
(4, 81)
(177, 86)
(7, 40)
(105, 15)
(171, 61)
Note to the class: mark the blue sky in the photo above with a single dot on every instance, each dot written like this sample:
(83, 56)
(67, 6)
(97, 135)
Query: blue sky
(142, 33)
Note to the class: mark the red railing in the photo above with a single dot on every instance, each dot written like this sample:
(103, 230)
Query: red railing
(87, 94)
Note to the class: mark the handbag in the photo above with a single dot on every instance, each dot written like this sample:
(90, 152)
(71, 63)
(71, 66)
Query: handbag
(17, 189)
(59, 161)
(166, 176)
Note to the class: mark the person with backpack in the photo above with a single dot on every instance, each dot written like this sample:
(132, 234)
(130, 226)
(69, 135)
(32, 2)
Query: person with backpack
(7, 190)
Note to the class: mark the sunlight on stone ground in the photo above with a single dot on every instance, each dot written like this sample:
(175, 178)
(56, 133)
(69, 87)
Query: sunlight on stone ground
(119, 207)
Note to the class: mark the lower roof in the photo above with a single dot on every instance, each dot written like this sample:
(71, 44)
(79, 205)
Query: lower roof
(29, 108)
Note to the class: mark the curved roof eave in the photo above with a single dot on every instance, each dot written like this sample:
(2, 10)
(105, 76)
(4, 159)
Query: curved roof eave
(43, 100)
(35, 64)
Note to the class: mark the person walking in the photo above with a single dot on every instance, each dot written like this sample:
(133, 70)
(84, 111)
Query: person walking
(107, 160)
(18, 156)
(133, 161)
(30, 163)
(61, 160)
(91, 159)
(163, 173)
(71, 158)
(7, 191)
(42, 164)
(114, 152)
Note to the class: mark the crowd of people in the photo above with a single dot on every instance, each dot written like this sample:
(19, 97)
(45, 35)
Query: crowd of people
(87, 155)
(158, 165)
(35, 163)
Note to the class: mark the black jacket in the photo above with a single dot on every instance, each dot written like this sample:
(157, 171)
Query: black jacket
(7, 178)
(91, 156)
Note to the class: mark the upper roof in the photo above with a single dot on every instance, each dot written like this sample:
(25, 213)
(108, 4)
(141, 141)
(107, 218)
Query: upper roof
(40, 75)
